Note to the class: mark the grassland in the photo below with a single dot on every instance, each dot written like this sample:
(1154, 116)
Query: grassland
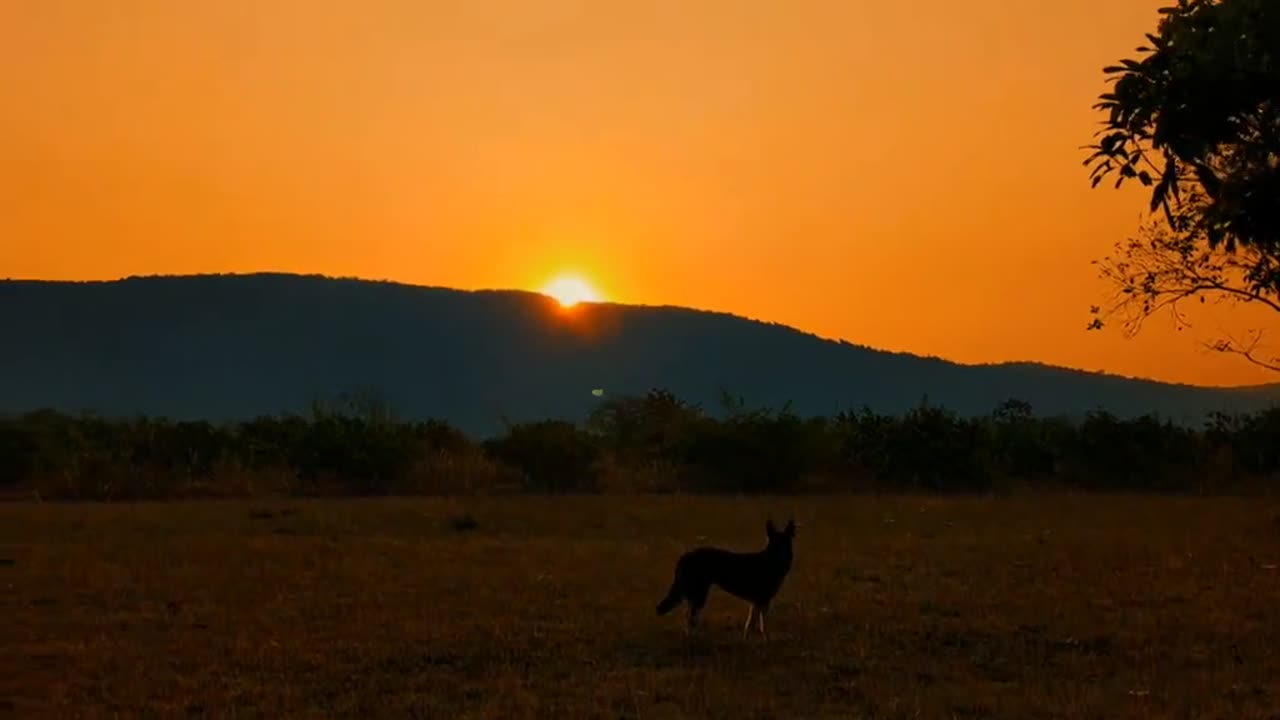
(898, 607)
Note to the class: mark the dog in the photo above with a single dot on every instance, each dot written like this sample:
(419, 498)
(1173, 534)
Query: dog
(754, 577)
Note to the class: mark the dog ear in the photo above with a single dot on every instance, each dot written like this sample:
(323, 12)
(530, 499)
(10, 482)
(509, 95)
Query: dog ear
(790, 531)
(769, 529)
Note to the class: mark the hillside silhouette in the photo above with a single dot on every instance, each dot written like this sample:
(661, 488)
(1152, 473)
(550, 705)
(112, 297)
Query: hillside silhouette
(223, 347)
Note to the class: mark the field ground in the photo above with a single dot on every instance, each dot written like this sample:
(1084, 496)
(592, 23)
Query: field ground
(1051, 606)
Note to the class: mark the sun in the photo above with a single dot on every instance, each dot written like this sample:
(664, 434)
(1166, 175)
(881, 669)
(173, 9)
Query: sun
(569, 290)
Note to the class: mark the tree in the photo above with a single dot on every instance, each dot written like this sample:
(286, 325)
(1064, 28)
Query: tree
(1197, 119)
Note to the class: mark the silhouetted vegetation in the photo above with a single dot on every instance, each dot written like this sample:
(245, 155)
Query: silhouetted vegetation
(1196, 117)
(650, 443)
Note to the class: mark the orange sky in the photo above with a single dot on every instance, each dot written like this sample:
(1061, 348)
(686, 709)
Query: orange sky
(901, 174)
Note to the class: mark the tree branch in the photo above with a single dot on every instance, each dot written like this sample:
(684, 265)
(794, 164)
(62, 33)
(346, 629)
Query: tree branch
(1248, 351)
(1163, 268)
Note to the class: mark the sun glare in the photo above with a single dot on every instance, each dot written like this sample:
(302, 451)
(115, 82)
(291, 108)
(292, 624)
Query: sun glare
(569, 290)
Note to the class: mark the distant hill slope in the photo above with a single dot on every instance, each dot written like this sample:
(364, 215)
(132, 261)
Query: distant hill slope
(223, 347)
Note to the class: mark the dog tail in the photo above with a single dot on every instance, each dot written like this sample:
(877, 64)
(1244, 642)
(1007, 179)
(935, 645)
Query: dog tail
(673, 598)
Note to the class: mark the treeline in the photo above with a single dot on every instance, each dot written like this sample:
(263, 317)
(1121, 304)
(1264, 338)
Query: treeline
(650, 443)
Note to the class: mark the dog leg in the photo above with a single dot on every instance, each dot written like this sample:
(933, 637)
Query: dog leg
(760, 619)
(696, 599)
(751, 615)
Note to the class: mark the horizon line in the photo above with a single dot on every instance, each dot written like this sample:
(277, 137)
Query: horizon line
(657, 306)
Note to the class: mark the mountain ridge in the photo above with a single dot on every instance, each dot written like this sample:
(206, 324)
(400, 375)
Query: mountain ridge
(227, 346)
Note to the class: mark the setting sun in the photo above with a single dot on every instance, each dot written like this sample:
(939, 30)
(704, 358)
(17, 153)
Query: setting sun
(569, 290)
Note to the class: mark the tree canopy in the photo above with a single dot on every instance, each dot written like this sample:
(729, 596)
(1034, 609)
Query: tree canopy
(1196, 117)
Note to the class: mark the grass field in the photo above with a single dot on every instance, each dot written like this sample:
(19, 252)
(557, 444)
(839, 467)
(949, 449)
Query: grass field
(1054, 606)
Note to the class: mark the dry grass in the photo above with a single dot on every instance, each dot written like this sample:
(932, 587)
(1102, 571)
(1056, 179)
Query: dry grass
(1063, 606)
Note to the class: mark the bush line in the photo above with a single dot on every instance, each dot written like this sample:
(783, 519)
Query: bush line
(649, 443)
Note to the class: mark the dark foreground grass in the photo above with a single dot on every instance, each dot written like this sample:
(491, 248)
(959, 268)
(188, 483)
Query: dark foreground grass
(1063, 606)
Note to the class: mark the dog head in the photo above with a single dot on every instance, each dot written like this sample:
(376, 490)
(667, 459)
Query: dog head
(780, 540)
